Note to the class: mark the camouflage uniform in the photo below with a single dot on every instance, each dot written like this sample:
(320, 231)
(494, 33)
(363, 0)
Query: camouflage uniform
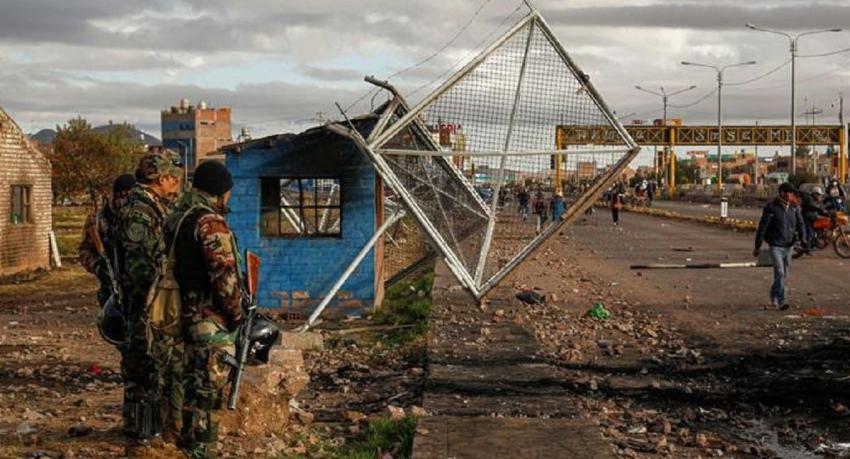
(104, 223)
(207, 272)
(152, 367)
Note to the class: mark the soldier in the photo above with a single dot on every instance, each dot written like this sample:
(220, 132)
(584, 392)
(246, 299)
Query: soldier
(152, 364)
(97, 247)
(207, 271)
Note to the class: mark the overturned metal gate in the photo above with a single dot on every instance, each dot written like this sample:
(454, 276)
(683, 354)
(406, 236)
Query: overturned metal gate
(472, 188)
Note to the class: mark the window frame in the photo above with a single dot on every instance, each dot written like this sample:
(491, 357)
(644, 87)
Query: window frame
(25, 204)
(301, 209)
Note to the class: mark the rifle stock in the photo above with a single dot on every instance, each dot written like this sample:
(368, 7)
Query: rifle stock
(243, 340)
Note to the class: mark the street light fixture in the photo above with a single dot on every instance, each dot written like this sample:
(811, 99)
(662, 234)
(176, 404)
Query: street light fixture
(792, 41)
(664, 97)
(719, 71)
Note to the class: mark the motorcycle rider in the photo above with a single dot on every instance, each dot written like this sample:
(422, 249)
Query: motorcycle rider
(812, 208)
(835, 196)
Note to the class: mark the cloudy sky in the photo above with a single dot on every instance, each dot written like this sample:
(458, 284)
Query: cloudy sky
(282, 64)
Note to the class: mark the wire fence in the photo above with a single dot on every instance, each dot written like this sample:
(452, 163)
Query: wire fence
(487, 159)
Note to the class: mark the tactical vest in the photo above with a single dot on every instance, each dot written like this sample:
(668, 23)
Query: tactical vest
(191, 270)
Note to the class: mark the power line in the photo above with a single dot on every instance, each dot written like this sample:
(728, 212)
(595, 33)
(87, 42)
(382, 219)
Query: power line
(457, 35)
(764, 75)
(706, 96)
(831, 53)
(444, 47)
(466, 58)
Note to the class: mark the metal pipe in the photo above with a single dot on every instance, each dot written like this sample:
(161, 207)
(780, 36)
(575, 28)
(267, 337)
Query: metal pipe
(398, 152)
(348, 271)
(494, 206)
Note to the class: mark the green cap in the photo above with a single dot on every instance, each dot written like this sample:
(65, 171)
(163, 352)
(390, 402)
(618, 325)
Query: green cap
(154, 165)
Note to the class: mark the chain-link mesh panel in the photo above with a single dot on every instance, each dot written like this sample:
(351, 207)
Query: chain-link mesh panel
(497, 125)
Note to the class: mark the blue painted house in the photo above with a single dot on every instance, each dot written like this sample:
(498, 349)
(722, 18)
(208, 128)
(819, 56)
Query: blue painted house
(307, 204)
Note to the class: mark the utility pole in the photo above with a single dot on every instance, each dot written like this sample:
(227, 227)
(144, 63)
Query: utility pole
(664, 98)
(719, 71)
(792, 41)
(812, 111)
(756, 173)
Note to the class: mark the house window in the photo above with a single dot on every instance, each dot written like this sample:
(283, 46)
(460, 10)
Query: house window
(21, 205)
(300, 207)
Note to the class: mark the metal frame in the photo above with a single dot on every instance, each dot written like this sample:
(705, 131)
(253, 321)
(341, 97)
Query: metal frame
(397, 152)
(390, 179)
(409, 118)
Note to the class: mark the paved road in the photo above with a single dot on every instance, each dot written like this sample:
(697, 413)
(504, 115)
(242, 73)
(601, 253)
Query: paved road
(728, 299)
(698, 209)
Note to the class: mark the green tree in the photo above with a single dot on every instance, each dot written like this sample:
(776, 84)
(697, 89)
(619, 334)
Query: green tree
(86, 162)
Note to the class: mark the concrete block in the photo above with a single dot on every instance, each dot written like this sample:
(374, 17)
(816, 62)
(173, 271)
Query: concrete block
(302, 341)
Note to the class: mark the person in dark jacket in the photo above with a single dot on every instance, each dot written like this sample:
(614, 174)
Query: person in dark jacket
(617, 192)
(781, 221)
(812, 208)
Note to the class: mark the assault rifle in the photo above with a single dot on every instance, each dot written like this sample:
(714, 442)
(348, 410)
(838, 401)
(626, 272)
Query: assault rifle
(243, 338)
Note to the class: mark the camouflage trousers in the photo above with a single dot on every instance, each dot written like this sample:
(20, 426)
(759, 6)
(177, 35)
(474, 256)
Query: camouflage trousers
(207, 374)
(153, 370)
(167, 352)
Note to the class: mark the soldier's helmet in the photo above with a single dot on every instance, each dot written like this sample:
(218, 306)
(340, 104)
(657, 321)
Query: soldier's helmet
(155, 165)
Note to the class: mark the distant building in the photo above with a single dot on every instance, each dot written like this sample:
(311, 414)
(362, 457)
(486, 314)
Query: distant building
(196, 132)
(586, 169)
(25, 201)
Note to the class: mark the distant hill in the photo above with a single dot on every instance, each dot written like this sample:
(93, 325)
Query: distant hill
(47, 136)
(137, 135)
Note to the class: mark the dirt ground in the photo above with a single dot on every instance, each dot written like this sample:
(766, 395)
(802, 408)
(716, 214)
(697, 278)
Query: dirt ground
(61, 382)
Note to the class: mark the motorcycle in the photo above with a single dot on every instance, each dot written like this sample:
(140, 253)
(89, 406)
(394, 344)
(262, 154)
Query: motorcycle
(830, 229)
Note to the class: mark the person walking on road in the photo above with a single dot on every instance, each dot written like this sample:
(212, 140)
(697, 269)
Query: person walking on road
(780, 222)
(616, 203)
(558, 206)
(523, 199)
(540, 210)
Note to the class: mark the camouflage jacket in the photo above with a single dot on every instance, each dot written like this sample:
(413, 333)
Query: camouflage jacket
(140, 241)
(103, 222)
(207, 260)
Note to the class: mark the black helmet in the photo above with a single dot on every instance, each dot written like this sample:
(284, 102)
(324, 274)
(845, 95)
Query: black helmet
(264, 334)
(110, 323)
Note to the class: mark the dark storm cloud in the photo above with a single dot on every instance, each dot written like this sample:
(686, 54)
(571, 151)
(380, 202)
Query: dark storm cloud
(707, 15)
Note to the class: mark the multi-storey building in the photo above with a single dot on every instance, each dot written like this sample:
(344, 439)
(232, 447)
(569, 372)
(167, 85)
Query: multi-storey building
(196, 132)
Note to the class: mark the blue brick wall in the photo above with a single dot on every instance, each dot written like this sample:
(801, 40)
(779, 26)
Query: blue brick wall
(291, 266)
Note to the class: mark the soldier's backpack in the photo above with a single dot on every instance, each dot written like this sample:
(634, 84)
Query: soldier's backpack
(163, 308)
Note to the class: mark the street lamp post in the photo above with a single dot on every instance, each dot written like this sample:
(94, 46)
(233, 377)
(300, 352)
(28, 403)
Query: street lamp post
(664, 98)
(186, 150)
(719, 71)
(792, 42)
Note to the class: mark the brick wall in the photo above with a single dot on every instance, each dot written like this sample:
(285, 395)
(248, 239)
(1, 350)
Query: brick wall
(297, 272)
(23, 246)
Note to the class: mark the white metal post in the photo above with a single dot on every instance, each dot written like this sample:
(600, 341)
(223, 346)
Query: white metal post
(494, 206)
(793, 107)
(348, 271)
(719, 132)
